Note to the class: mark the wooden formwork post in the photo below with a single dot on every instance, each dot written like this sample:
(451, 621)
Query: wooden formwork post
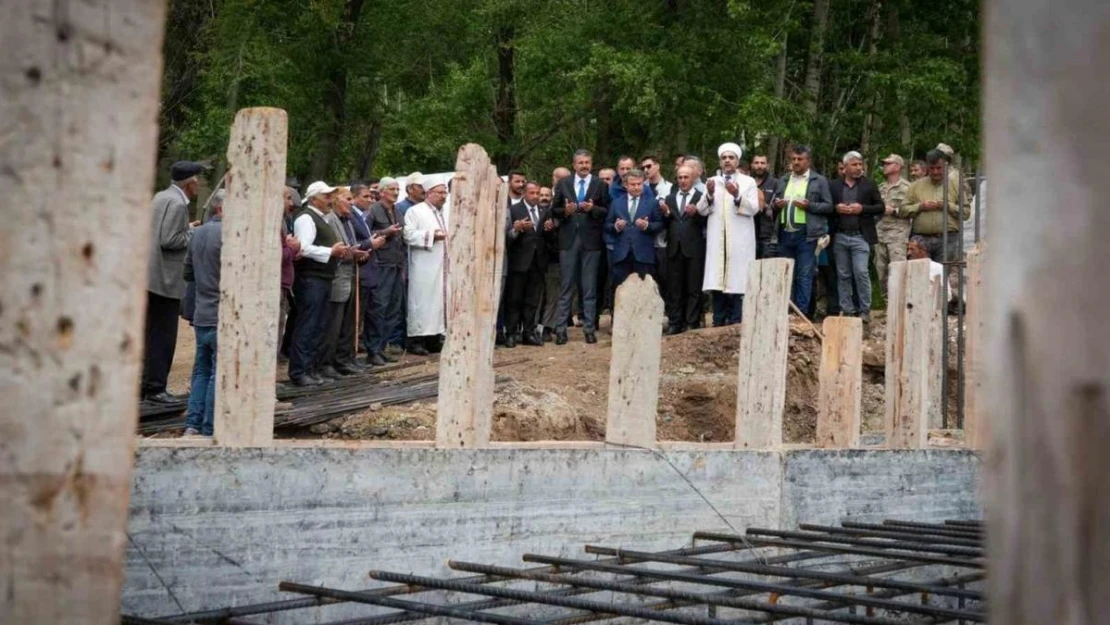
(841, 377)
(475, 251)
(910, 329)
(1047, 289)
(634, 366)
(975, 422)
(764, 339)
(250, 279)
(79, 89)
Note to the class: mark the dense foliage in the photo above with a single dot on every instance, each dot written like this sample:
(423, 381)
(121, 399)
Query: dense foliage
(376, 87)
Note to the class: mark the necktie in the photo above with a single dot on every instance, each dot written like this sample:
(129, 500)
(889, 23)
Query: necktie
(682, 204)
(632, 209)
(532, 213)
(581, 189)
(728, 178)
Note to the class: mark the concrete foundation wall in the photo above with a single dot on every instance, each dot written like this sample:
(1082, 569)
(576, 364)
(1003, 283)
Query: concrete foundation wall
(215, 527)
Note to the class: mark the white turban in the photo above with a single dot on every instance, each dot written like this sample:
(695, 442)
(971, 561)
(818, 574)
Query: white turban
(729, 147)
(430, 183)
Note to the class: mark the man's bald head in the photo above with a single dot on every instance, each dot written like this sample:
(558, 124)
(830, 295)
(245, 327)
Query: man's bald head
(686, 176)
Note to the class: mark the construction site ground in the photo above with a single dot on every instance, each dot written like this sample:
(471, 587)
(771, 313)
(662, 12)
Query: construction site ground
(561, 392)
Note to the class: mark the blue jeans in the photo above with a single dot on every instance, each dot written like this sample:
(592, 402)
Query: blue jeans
(804, 252)
(852, 253)
(728, 308)
(202, 393)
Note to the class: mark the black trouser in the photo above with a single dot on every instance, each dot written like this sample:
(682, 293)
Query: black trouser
(160, 342)
(286, 338)
(387, 304)
(525, 292)
(684, 297)
(339, 339)
(366, 311)
(626, 267)
(662, 278)
(311, 306)
(578, 264)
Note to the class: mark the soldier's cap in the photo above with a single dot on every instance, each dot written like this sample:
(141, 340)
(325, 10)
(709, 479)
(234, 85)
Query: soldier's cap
(894, 158)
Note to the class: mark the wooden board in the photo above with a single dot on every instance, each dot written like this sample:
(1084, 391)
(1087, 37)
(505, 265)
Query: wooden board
(475, 250)
(975, 422)
(250, 279)
(634, 364)
(764, 339)
(840, 397)
(1047, 297)
(78, 142)
(910, 328)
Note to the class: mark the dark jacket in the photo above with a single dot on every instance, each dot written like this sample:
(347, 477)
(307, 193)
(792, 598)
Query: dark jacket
(820, 203)
(639, 243)
(765, 222)
(367, 272)
(586, 226)
(868, 196)
(202, 267)
(685, 233)
(528, 244)
(616, 192)
(392, 252)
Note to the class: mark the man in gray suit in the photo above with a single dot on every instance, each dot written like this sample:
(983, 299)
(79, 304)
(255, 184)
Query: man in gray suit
(170, 235)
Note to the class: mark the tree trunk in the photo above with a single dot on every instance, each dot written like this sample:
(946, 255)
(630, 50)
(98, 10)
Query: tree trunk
(816, 55)
(603, 145)
(504, 112)
(80, 119)
(370, 149)
(780, 92)
(335, 96)
(872, 99)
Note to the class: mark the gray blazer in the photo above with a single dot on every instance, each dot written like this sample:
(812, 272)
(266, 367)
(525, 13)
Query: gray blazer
(170, 235)
(820, 203)
(343, 282)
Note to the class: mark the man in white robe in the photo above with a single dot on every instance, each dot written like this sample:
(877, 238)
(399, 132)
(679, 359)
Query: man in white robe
(426, 237)
(730, 202)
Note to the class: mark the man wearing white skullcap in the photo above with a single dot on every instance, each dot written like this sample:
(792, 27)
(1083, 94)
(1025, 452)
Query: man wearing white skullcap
(729, 204)
(426, 235)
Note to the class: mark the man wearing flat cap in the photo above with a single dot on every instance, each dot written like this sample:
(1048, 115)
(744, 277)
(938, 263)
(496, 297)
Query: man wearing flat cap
(170, 235)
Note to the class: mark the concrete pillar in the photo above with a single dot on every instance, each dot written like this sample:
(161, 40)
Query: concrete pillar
(764, 339)
(79, 89)
(1047, 290)
(841, 375)
(634, 365)
(475, 250)
(911, 305)
(250, 279)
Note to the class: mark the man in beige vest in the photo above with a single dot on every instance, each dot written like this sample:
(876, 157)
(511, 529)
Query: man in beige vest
(894, 227)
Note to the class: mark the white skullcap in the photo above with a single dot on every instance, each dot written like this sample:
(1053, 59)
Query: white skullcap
(729, 147)
(318, 188)
(416, 178)
(387, 182)
(431, 183)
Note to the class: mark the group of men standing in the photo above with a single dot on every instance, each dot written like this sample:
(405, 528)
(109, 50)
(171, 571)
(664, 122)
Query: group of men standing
(356, 254)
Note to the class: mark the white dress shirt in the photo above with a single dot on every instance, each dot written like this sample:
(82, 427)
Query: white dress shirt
(305, 231)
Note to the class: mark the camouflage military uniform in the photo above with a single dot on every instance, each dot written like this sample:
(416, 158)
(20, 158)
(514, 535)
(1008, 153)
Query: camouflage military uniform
(893, 230)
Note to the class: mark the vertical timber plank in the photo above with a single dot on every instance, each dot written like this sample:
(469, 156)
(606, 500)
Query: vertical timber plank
(634, 366)
(975, 423)
(1047, 287)
(933, 389)
(79, 91)
(250, 279)
(910, 327)
(764, 339)
(475, 249)
(841, 377)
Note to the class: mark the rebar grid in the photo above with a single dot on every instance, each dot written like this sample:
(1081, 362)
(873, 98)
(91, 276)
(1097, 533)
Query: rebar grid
(892, 573)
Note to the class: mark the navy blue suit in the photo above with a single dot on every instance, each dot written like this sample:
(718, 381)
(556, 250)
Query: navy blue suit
(633, 248)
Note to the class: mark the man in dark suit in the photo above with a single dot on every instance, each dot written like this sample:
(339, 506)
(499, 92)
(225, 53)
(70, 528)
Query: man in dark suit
(857, 202)
(685, 253)
(170, 235)
(633, 221)
(527, 266)
(581, 203)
